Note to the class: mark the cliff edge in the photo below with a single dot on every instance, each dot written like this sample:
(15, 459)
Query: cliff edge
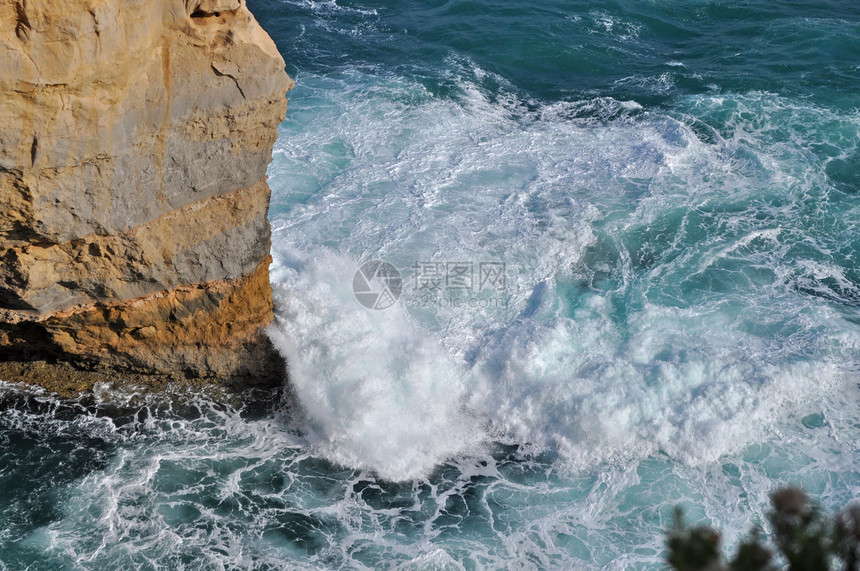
(134, 239)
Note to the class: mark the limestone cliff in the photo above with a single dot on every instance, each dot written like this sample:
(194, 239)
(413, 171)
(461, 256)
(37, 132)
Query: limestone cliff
(134, 141)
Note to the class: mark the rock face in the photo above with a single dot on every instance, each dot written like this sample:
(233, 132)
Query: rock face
(134, 141)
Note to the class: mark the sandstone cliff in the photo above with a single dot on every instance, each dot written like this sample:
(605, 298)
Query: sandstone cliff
(134, 141)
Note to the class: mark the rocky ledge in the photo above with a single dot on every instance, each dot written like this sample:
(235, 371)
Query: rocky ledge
(134, 239)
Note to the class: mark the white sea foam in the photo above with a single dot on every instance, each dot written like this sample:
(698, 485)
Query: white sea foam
(377, 391)
(330, 7)
(416, 177)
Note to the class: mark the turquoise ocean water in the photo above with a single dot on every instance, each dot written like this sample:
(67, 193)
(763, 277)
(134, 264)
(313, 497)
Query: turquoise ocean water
(629, 241)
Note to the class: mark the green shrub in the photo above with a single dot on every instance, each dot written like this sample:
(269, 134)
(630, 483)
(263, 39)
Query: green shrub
(805, 540)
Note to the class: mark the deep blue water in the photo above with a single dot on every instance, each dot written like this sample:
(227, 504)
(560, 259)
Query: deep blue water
(671, 191)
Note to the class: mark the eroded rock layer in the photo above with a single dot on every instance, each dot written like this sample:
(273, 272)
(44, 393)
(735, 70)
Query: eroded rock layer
(134, 141)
